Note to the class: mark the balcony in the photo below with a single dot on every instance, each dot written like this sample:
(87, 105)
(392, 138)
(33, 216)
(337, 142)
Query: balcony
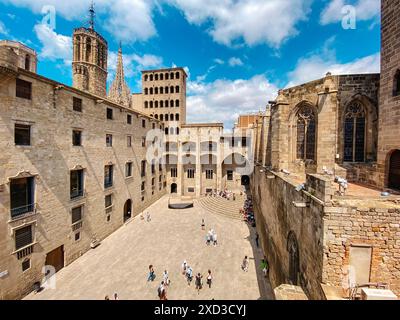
(77, 193)
(76, 226)
(24, 252)
(108, 183)
(23, 211)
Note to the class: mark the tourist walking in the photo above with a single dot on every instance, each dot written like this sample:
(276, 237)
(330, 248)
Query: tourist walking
(199, 282)
(245, 264)
(152, 274)
(203, 225)
(209, 279)
(189, 275)
(184, 267)
(148, 217)
(162, 291)
(264, 267)
(116, 296)
(166, 278)
(215, 239)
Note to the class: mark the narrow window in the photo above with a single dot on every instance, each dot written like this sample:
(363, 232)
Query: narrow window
(128, 169)
(76, 214)
(22, 135)
(77, 104)
(76, 184)
(174, 173)
(108, 176)
(230, 175)
(76, 138)
(129, 119)
(109, 113)
(22, 196)
(209, 174)
(23, 89)
(177, 89)
(23, 237)
(143, 142)
(129, 141)
(354, 133)
(306, 130)
(109, 140)
(396, 84)
(27, 63)
(143, 169)
(26, 265)
(108, 201)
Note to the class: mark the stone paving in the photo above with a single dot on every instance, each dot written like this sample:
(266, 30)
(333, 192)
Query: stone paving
(120, 263)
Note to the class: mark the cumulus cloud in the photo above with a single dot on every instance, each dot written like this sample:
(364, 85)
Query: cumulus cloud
(224, 100)
(125, 19)
(234, 62)
(316, 66)
(365, 10)
(247, 21)
(54, 46)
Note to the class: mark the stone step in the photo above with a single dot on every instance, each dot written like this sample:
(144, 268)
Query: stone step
(223, 207)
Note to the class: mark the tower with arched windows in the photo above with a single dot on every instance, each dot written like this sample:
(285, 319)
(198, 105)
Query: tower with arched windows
(89, 64)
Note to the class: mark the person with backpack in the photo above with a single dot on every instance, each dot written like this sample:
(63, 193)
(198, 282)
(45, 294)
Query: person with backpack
(264, 267)
(189, 275)
(152, 274)
(199, 283)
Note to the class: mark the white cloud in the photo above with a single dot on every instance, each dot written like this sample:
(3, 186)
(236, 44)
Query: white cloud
(365, 10)
(133, 63)
(316, 67)
(250, 21)
(54, 46)
(219, 61)
(224, 100)
(234, 62)
(3, 29)
(125, 19)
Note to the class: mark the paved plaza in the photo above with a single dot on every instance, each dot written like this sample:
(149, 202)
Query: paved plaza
(120, 263)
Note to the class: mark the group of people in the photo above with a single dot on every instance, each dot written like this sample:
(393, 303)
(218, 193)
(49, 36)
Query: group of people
(115, 297)
(247, 212)
(263, 265)
(226, 194)
(162, 288)
(187, 271)
(211, 238)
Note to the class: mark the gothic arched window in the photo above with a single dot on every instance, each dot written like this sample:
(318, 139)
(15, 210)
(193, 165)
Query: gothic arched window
(177, 117)
(161, 104)
(156, 77)
(146, 91)
(177, 89)
(151, 90)
(171, 89)
(161, 90)
(177, 103)
(156, 104)
(172, 76)
(161, 76)
(354, 133)
(396, 84)
(156, 90)
(306, 129)
(171, 103)
(177, 75)
(146, 104)
(166, 90)
(166, 103)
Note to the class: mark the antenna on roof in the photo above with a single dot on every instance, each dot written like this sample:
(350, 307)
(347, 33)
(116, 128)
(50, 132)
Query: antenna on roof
(92, 15)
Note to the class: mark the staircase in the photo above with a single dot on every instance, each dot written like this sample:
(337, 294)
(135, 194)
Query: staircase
(223, 207)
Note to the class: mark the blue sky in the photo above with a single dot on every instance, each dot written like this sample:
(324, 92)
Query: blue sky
(238, 53)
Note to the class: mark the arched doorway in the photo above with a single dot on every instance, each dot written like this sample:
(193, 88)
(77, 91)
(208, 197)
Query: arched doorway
(174, 188)
(394, 170)
(245, 181)
(294, 264)
(127, 210)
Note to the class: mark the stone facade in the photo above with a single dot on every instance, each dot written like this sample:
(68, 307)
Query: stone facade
(389, 115)
(54, 113)
(339, 126)
(89, 65)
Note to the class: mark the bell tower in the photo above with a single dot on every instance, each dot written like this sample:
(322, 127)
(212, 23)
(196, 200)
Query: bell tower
(89, 63)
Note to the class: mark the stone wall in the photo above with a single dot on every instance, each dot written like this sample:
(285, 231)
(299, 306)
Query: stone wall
(277, 216)
(50, 158)
(375, 227)
(389, 105)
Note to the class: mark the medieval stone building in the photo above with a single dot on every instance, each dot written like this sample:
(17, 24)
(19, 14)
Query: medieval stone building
(325, 152)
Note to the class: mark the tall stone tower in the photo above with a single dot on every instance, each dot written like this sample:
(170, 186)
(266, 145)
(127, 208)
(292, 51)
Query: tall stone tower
(90, 59)
(389, 105)
(119, 90)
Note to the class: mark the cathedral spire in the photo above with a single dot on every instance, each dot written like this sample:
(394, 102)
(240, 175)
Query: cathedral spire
(92, 15)
(119, 90)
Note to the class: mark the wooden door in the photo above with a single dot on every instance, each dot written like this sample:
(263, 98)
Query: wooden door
(394, 171)
(55, 258)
